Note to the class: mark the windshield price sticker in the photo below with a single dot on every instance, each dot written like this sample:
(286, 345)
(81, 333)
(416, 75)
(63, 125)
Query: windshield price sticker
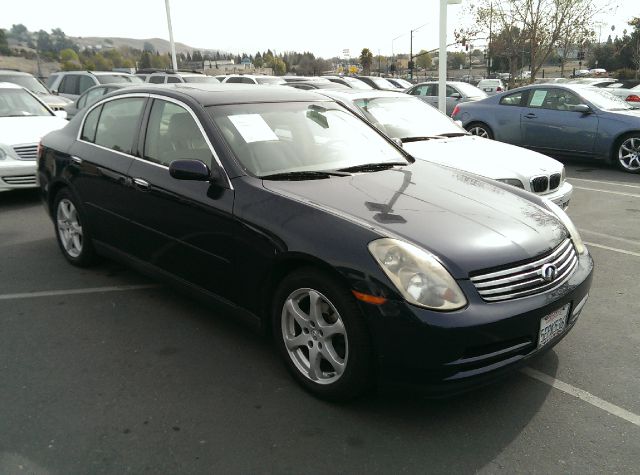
(253, 128)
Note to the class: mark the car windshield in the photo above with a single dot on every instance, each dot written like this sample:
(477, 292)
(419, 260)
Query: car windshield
(603, 99)
(19, 103)
(269, 80)
(406, 117)
(470, 91)
(117, 78)
(28, 82)
(292, 137)
(357, 84)
(208, 79)
(383, 83)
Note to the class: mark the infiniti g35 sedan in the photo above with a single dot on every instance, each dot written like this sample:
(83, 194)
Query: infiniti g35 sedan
(563, 119)
(364, 264)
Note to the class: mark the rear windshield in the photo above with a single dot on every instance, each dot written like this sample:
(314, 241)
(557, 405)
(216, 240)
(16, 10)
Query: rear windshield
(209, 79)
(470, 91)
(28, 82)
(268, 80)
(117, 78)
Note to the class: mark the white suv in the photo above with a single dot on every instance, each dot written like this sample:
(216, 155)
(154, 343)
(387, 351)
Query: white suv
(72, 84)
(491, 86)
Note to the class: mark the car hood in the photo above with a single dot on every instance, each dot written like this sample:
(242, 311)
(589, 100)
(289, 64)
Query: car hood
(469, 223)
(624, 114)
(53, 100)
(484, 157)
(26, 130)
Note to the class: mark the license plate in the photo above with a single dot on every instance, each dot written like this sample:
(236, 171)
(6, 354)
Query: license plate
(552, 325)
(488, 89)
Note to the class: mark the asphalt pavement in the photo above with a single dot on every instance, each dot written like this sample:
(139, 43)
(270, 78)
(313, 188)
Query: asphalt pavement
(105, 371)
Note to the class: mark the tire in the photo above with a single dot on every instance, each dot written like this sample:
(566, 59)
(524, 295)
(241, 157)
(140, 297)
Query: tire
(626, 153)
(72, 233)
(336, 335)
(480, 129)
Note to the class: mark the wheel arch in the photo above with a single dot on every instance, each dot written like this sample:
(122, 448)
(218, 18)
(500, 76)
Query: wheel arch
(615, 143)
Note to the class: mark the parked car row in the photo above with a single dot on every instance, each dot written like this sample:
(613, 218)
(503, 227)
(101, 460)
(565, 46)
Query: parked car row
(301, 211)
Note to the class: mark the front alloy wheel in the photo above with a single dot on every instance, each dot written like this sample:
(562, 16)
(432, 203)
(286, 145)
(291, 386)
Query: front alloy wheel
(629, 154)
(315, 336)
(480, 131)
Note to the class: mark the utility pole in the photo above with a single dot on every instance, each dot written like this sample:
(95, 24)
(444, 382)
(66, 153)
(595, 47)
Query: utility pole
(173, 45)
(490, 51)
(442, 55)
(411, 65)
(393, 58)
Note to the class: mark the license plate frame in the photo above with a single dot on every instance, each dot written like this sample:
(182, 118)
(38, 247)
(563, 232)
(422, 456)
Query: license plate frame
(553, 325)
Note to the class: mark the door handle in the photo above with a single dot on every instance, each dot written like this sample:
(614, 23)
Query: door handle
(530, 115)
(141, 184)
(75, 159)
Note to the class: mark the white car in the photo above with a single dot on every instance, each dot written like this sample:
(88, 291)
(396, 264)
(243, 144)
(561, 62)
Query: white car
(428, 134)
(491, 86)
(24, 120)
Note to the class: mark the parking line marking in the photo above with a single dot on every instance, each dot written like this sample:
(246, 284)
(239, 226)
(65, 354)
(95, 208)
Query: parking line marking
(614, 249)
(613, 183)
(609, 236)
(633, 195)
(583, 395)
(90, 290)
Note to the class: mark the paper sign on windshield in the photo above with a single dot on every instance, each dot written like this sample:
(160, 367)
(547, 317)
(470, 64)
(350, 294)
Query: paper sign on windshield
(538, 98)
(253, 128)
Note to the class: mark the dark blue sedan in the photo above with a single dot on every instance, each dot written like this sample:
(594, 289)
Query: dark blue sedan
(559, 119)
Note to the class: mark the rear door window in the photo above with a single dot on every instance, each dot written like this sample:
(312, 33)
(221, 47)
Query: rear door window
(515, 99)
(69, 84)
(90, 123)
(157, 79)
(173, 79)
(85, 83)
(119, 123)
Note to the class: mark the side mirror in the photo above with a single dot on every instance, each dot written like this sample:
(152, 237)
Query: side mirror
(54, 92)
(582, 108)
(456, 95)
(61, 114)
(189, 170)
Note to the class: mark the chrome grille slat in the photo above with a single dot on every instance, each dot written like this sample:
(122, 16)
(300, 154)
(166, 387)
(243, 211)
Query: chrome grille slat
(559, 250)
(20, 180)
(26, 152)
(526, 279)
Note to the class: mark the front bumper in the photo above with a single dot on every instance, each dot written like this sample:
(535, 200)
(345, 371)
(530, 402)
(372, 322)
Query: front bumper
(561, 196)
(16, 174)
(454, 351)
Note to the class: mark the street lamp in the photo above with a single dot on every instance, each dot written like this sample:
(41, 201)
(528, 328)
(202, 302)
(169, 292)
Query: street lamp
(393, 62)
(442, 55)
(411, 65)
(173, 45)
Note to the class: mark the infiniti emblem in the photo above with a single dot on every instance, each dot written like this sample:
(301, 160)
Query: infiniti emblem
(548, 272)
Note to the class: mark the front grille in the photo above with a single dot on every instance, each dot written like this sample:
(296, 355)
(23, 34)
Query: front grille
(526, 278)
(20, 180)
(539, 184)
(26, 152)
(554, 181)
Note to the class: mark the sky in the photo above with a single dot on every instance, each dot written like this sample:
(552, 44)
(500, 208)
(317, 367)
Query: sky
(325, 27)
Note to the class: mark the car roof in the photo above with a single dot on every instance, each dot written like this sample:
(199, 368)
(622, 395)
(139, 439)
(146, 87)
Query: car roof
(210, 94)
(9, 85)
(96, 73)
(355, 94)
(14, 73)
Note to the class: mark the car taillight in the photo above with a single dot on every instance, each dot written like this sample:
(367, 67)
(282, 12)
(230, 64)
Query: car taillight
(456, 109)
(633, 98)
(498, 89)
(39, 150)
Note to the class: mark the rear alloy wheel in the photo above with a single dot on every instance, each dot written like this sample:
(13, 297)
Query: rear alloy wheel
(628, 158)
(73, 237)
(481, 130)
(322, 336)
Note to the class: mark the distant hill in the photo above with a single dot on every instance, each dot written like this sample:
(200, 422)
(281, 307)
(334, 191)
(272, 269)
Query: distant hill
(161, 45)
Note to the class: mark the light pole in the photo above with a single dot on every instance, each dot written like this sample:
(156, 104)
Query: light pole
(173, 45)
(393, 58)
(442, 55)
(411, 65)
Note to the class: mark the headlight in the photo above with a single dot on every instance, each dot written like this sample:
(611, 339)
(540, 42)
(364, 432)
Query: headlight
(512, 181)
(563, 175)
(566, 221)
(418, 275)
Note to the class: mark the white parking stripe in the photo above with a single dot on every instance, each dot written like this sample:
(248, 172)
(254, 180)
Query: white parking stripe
(633, 195)
(583, 395)
(609, 236)
(91, 290)
(613, 183)
(614, 249)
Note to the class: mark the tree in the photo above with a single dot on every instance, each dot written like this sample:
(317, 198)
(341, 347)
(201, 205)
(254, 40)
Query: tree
(423, 59)
(4, 46)
(278, 66)
(366, 59)
(146, 46)
(19, 32)
(145, 60)
(534, 27)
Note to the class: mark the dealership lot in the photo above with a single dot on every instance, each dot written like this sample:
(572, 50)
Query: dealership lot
(104, 371)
